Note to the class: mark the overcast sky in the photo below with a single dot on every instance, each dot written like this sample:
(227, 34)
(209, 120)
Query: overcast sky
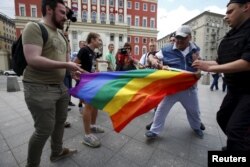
(171, 13)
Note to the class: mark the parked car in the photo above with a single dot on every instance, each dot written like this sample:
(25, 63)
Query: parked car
(9, 72)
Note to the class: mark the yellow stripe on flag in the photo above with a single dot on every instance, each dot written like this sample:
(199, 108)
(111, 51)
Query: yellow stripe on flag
(134, 86)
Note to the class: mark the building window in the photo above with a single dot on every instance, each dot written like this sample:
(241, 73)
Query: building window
(94, 2)
(103, 18)
(129, 20)
(103, 3)
(33, 10)
(84, 16)
(144, 50)
(120, 18)
(145, 7)
(22, 11)
(137, 21)
(120, 38)
(129, 39)
(137, 50)
(85, 1)
(111, 2)
(112, 37)
(144, 40)
(152, 23)
(136, 39)
(129, 5)
(152, 8)
(74, 34)
(93, 17)
(111, 18)
(137, 6)
(144, 22)
(120, 3)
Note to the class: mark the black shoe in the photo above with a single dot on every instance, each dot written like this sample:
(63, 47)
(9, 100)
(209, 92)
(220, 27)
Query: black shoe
(149, 126)
(202, 126)
(71, 104)
(224, 148)
(80, 105)
(67, 124)
(199, 133)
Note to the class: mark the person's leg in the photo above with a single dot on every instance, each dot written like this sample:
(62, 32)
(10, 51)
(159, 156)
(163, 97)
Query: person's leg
(226, 109)
(42, 105)
(61, 116)
(161, 113)
(216, 83)
(238, 127)
(89, 139)
(189, 100)
(86, 117)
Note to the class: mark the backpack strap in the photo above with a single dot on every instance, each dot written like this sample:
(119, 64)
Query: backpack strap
(44, 33)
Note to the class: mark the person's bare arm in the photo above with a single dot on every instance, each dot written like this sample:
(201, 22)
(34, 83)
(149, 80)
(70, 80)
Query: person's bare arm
(34, 59)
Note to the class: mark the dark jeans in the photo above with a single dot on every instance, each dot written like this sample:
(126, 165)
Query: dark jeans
(48, 106)
(234, 120)
(215, 82)
(68, 82)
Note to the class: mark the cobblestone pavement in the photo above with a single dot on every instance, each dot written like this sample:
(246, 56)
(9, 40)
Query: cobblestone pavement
(177, 146)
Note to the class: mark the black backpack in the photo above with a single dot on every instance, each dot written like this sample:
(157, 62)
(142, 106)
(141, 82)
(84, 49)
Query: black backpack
(18, 59)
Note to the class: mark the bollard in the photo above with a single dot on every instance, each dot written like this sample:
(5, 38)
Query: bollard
(12, 84)
(206, 79)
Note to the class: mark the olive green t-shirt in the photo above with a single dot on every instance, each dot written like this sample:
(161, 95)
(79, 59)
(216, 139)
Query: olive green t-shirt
(55, 49)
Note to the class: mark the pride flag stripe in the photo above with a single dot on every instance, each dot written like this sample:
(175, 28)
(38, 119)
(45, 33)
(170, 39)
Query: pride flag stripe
(126, 95)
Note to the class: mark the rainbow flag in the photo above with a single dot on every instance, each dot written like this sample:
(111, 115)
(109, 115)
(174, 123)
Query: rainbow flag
(124, 95)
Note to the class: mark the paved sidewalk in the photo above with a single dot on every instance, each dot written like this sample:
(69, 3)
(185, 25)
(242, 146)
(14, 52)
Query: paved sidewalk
(177, 146)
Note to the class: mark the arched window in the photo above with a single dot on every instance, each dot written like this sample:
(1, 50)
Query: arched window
(103, 17)
(120, 18)
(144, 49)
(93, 17)
(136, 50)
(84, 16)
(112, 17)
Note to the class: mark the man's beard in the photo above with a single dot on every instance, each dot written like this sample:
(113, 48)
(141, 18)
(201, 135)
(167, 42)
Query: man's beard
(56, 23)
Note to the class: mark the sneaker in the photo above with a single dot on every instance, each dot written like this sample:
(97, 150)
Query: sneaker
(199, 133)
(96, 129)
(71, 104)
(149, 126)
(202, 127)
(91, 140)
(66, 152)
(151, 135)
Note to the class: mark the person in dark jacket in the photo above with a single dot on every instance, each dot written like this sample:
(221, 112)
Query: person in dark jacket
(233, 60)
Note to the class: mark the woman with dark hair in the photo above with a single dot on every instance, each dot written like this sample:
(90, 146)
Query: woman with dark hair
(124, 59)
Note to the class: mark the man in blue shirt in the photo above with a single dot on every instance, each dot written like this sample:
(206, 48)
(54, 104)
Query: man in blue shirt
(179, 55)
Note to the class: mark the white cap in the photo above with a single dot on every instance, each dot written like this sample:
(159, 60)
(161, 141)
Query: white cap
(183, 31)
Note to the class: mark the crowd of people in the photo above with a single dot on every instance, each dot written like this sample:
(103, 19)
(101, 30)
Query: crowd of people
(50, 64)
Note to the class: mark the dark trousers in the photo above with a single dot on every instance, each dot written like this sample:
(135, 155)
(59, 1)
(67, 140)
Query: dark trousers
(215, 82)
(68, 82)
(234, 120)
(224, 85)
